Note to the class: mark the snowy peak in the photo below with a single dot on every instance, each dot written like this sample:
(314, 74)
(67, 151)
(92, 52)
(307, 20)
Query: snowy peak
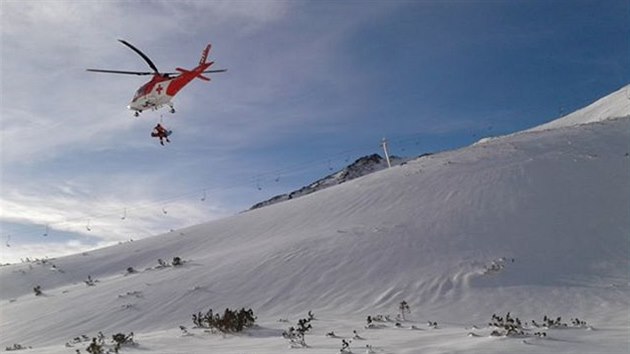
(361, 167)
(615, 105)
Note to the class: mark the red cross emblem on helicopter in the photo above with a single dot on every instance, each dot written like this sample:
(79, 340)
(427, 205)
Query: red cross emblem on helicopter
(159, 89)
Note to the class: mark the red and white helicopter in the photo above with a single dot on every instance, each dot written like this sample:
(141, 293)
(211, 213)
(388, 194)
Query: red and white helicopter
(163, 86)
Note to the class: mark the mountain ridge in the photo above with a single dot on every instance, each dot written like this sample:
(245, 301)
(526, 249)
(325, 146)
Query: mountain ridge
(360, 167)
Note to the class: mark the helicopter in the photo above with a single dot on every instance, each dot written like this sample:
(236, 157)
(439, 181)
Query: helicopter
(162, 87)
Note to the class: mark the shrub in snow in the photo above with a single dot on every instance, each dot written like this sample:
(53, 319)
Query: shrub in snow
(403, 307)
(378, 318)
(199, 319)
(137, 294)
(549, 322)
(55, 268)
(38, 290)
(121, 339)
(90, 281)
(345, 346)
(99, 345)
(296, 335)
(506, 326)
(185, 332)
(496, 266)
(578, 323)
(130, 270)
(230, 322)
(94, 347)
(304, 325)
(83, 338)
(17, 347)
(177, 261)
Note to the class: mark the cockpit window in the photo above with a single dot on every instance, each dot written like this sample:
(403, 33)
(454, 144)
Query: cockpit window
(141, 91)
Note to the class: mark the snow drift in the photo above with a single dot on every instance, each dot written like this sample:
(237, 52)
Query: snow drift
(534, 223)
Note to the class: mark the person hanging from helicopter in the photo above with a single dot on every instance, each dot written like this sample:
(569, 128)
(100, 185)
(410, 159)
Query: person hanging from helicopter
(160, 132)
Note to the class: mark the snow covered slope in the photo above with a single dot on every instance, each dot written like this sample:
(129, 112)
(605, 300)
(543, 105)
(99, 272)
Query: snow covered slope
(534, 223)
(615, 105)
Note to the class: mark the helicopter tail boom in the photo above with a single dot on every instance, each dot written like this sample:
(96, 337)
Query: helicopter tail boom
(186, 76)
(196, 72)
(204, 55)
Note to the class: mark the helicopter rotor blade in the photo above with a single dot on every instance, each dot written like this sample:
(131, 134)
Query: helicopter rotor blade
(215, 71)
(174, 74)
(121, 72)
(146, 58)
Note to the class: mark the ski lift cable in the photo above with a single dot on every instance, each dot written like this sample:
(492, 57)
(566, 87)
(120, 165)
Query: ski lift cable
(311, 164)
(262, 178)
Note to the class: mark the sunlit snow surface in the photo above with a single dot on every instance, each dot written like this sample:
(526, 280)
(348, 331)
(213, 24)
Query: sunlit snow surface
(535, 223)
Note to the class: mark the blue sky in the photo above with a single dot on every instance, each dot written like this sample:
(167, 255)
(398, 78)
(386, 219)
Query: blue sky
(311, 86)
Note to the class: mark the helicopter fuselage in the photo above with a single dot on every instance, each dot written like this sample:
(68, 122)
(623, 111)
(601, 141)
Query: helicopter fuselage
(152, 95)
(162, 88)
